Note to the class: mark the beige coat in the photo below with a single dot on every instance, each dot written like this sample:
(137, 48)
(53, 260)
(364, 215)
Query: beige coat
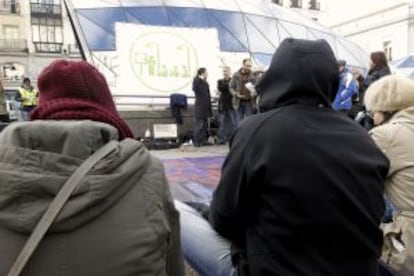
(396, 139)
(120, 221)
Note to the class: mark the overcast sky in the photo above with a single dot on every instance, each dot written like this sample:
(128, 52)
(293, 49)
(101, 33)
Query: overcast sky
(337, 11)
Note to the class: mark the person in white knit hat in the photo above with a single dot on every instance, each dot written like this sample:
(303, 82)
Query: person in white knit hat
(390, 102)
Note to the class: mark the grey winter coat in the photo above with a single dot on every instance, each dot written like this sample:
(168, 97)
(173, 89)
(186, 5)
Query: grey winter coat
(120, 221)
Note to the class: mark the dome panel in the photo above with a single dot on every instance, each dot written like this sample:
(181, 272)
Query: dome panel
(257, 7)
(249, 26)
(140, 3)
(224, 5)
(184, 3)
(151, 15)
(262, 58)
(190, 17)
(257, 39)
(229, 23)
(96, 36)
(295, 30)
(268, 26)
(283, 32)
(105, 18)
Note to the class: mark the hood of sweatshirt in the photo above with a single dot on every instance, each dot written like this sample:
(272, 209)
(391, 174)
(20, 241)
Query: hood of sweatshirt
(301, 72)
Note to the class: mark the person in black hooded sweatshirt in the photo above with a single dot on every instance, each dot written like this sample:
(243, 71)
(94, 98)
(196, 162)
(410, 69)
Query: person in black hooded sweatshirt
(301, 190)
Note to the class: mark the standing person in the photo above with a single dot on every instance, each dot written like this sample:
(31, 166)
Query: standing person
(3, 110)
(28, 98)
(202, 107)
(243, 102)
(390, 101)
(347, 89)
(378, 68)
(120, 220)
(358, 107)
(228, 120)
(297, 201)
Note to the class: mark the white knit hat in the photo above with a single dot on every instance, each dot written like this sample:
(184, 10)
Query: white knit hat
(389, 94)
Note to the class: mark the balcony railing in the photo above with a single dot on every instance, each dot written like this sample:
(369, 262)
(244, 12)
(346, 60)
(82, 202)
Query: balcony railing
(13, 45)
(39, 9)
(9, 6)
(48, 47)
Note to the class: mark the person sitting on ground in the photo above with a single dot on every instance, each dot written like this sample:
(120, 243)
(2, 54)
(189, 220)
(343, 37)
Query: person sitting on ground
(120, 220)
(301, 189)
(390, 101)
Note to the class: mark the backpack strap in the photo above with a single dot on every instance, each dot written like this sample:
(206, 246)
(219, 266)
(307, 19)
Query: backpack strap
(56, 206)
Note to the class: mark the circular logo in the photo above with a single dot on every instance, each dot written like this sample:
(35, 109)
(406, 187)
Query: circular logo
(163, 62)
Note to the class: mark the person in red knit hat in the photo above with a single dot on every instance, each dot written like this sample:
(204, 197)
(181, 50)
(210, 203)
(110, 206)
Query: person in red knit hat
(120, 220)
(77, 91)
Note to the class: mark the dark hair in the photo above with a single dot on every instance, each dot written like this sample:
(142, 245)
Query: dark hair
(379, 59)
(246, 60)
(341, 62)
(26, 79)
(201, 71)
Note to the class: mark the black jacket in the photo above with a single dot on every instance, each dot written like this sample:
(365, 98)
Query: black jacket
(202, 99)
(226, 98)
(301, 188)
(375, 74)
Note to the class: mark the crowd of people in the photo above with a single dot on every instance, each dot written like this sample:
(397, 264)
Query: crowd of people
(238, 98)
(301, 191)
(237, 101)
(261, 217)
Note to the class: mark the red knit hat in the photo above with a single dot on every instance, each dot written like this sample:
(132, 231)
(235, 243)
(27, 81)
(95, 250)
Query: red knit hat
(72, 90)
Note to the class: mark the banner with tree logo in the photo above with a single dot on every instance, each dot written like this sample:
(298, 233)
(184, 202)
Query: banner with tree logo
(164, 60)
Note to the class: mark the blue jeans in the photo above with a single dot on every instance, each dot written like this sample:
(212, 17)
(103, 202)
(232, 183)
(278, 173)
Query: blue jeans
(200, 132)
(389, 210)
(205, 251)
(228, 123)
(245, 110)
(25, 112)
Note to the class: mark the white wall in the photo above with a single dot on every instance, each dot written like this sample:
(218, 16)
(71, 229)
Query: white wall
(371, 31)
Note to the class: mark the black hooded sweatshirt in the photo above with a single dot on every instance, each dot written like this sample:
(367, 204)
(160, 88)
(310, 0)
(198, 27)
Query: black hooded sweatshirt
(301, 189)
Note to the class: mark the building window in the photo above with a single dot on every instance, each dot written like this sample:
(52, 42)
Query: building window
(387, 45)
(10, 6)
(11, 41)
(47, 34)
(10, 32)
(314, 5)
(278, 2)
(296, 4)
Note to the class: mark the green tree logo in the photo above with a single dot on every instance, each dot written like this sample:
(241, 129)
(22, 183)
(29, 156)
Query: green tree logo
(163, 62)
